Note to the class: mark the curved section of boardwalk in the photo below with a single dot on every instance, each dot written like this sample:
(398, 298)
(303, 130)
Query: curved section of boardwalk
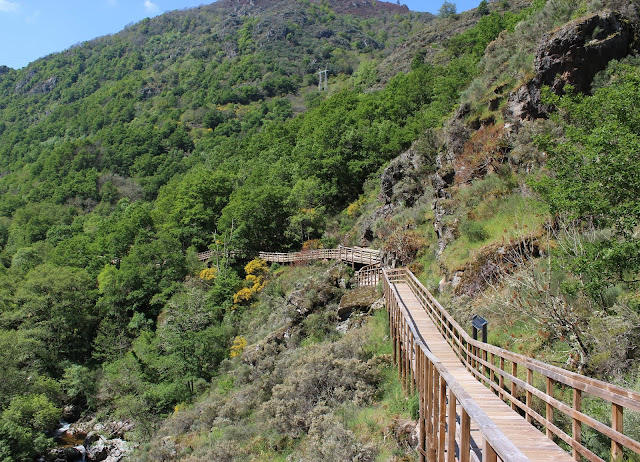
(359, 255)
(474, 405)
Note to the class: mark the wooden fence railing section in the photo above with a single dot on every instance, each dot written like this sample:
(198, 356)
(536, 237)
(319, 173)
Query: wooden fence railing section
(358, 255)
(369, 275)
(206, 255)
(513, 378)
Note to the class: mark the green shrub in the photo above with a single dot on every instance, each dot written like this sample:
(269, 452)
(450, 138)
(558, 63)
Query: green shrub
(474, 231)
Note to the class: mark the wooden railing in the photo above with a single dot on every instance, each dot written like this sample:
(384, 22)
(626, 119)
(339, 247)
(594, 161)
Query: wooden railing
(204, 256)
(441, 432)
(207, 254)
(359, 255)
(513, 378)
(369, 275)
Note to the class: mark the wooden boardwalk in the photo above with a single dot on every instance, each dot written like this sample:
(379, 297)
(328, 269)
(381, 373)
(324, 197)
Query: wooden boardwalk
(476, 400)
(533, 444)
(353, 255)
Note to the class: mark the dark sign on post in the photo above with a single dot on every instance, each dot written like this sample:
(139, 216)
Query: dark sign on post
(479, 323)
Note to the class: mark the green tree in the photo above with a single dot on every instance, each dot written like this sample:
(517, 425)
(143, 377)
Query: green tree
(189, 207)
(257, 216)
(483, 8)
(448, 10)
(24, 423)
(132, 296)
(191, 331)
(58, 304)
(20, 358)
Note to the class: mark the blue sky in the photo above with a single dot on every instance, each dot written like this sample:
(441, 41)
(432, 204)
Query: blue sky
(31, 29)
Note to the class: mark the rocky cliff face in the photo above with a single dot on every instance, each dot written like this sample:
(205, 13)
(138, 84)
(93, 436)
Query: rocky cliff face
(573, 56)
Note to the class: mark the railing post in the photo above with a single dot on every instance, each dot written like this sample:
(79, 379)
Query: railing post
(436, 414)
(442, 427)
(576, 425)
(429, 407)
(488, 453)
(392, 314)
(616, 425)
(485, 369)
(406, 342)
(421, 400)
(529, 395)
(514, 372)
(501, 379)
(465, 435)
(451, 428)
(407, 355)
(549, 414)
(492, 374)
(398, 337)
(412, 356)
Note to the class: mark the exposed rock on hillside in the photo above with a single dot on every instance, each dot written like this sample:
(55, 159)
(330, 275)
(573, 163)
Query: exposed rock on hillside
(573, 56)
(492, 261)
(403, 181)
(357, 300)
(46, 86)
(308, 298)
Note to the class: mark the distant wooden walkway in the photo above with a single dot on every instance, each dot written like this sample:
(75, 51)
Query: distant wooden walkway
(360, 255)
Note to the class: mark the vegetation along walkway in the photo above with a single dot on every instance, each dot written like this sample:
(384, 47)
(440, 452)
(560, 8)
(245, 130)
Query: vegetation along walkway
(477, 401)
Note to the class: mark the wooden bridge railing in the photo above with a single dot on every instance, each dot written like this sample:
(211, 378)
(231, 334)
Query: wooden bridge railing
(513, 378)
(369, 275)
(442, 433)
(359, 255)
(207, 254)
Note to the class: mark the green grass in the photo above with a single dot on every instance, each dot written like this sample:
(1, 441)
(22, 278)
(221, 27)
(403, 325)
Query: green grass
(518, 337)
(501, 220)
(372, 424)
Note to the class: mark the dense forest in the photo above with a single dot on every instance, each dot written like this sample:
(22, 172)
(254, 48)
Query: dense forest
(466, 146)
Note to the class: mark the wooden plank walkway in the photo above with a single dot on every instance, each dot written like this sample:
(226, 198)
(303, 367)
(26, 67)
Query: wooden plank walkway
(531, 442)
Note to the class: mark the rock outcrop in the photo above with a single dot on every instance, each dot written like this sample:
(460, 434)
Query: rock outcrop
(573, 55)
(402, 184)
(308, 297)
(359, 299)
(404, 180)
(92, 441)
(45, 87)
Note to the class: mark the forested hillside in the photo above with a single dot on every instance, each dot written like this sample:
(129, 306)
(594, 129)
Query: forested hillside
(468, 146)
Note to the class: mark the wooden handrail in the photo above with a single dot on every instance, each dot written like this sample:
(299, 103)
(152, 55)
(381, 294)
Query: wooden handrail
(369, 275)
(480, 359)
(360, 255)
